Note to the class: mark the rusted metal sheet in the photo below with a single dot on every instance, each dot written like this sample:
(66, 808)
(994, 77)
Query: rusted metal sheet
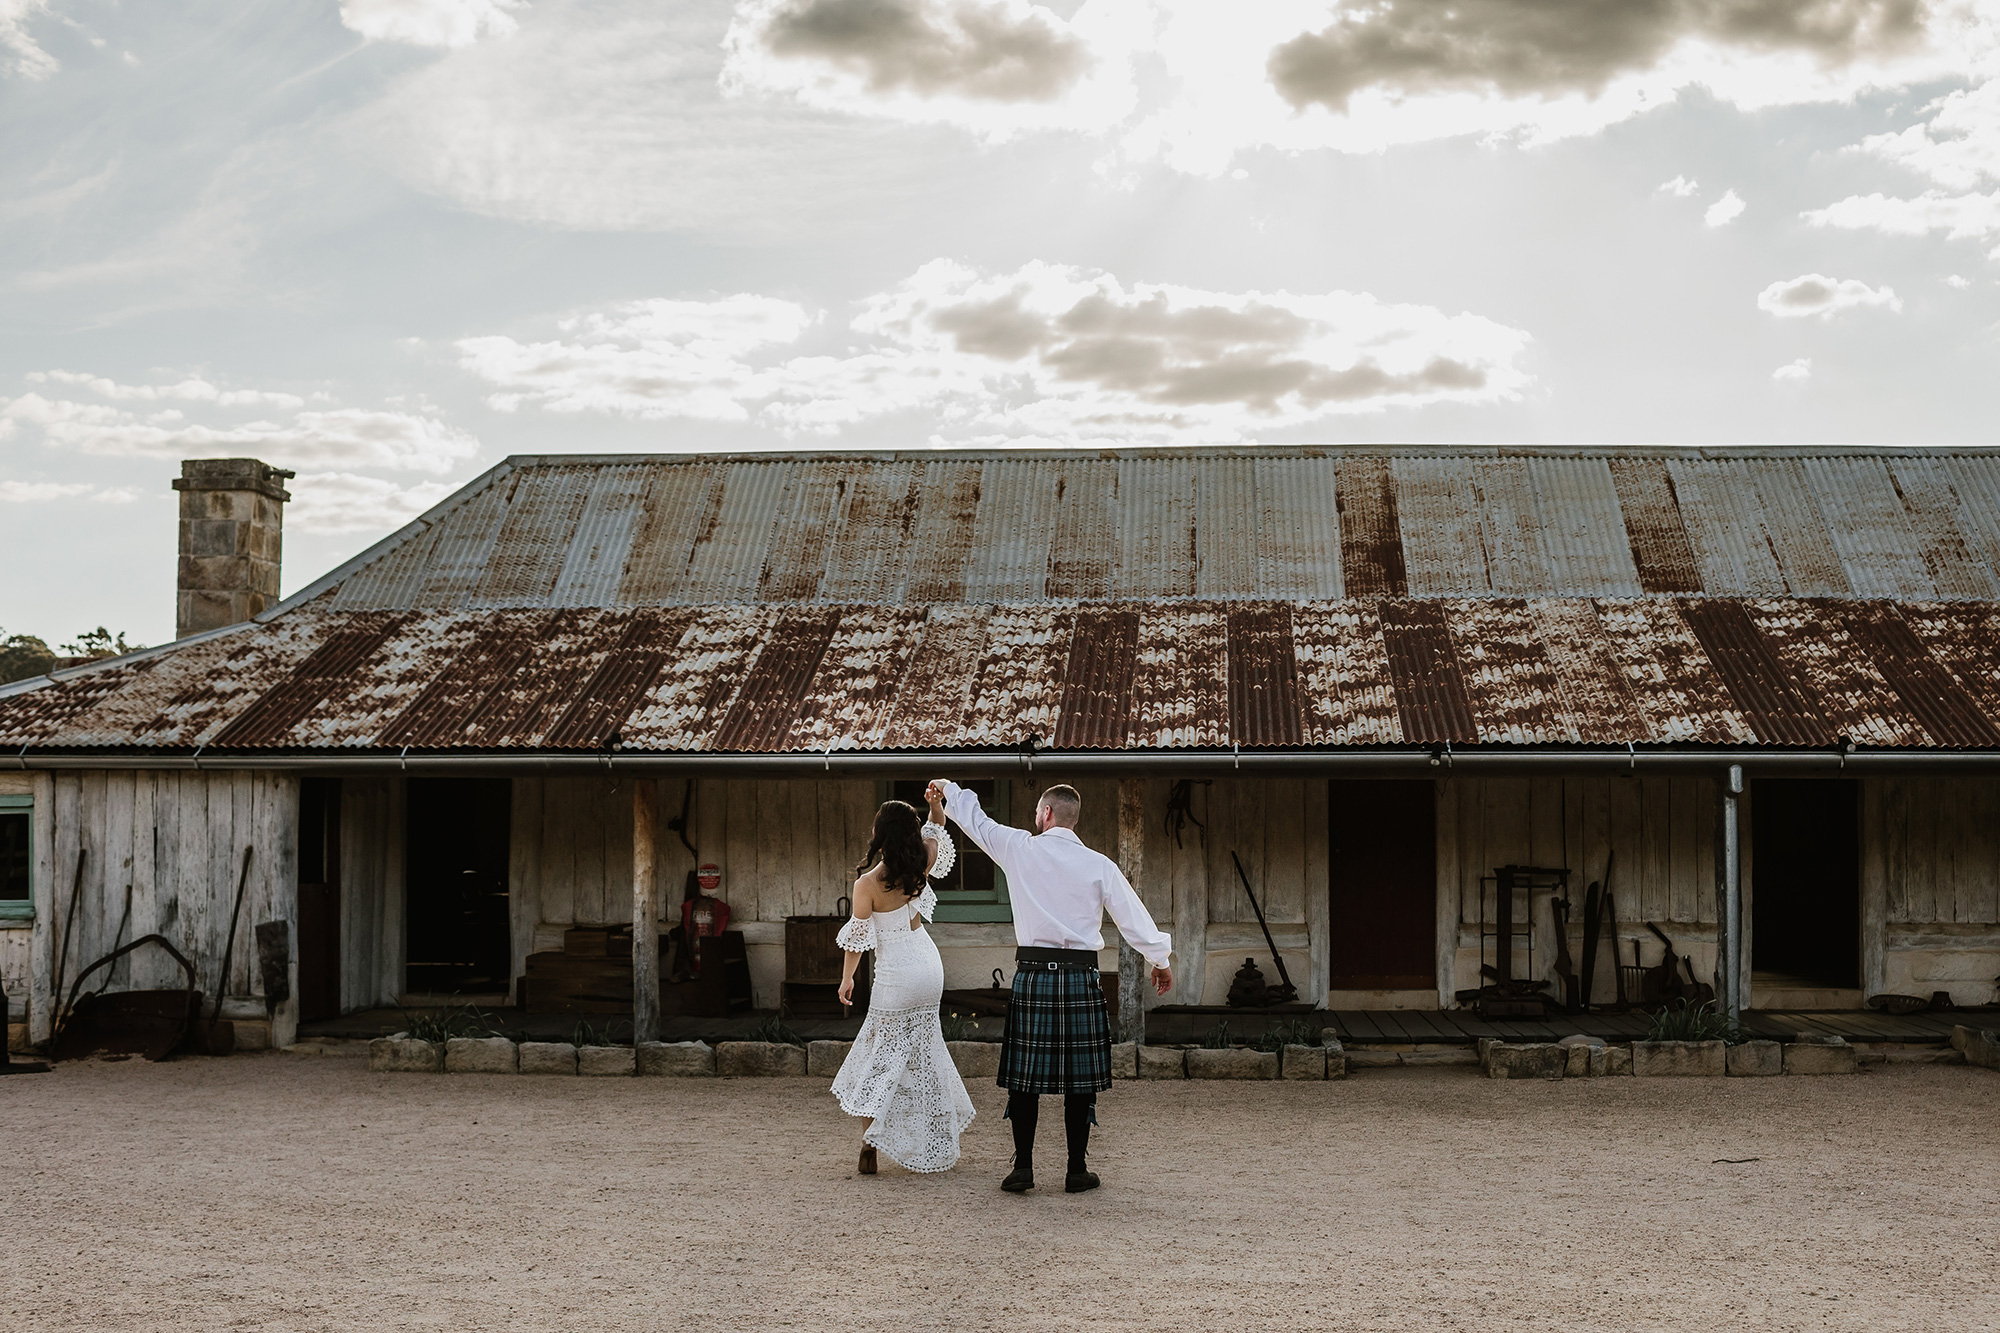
(1583, 532)
(932, 699)
(1347, 695)
(1298, 532)
(1596, 700)
(595, 719)
(1010, 540)
(1932, 503)
(1263, 677)
(1778, 708)
(1812, 645)
(1017, 691)
(1431, 699)
(847, 705)
(522, 709)
(440, 713)
(1668, 676)
(868, 555)
(1661, 554)
(941, 546)
(1964, 638)
(1516, 559)
(1866, 520)
(1443, 550)
(1725, 529)
(1515, 696)
(762, 714)
(543, 506)
(679, 502)
(328, 669)
(1085, 548)
(1156, 515)
(1180, 690)
(594, 567)
(1227, 531)
(1975, 485)
(1795, 528)
(29, 716)
(727, 561)
(1926, 689)
(1371, 538)
(795, 563)
(701, 682)
(1096, 709)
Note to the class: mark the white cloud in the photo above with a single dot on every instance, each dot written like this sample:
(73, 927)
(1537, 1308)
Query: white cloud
(1815, 294)
(42, 492)
(995, 67)
(1958, 147)
(1800, 369)
(1959, 217)
(1724, 210)
(1680, 187)
(416, 441)
(332, 502)
(1045, 352)
(20, 53)
(445, 23)
(1955, 280)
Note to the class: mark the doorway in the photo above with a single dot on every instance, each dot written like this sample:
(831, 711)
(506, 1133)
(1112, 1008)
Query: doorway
(1805, 879)
(1383, 881)
(319, 898)
(457, 935)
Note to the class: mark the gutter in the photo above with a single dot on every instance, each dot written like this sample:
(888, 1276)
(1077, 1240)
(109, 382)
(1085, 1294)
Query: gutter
(1388, 763)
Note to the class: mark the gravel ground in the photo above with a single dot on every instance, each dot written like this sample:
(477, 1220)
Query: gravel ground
(291, 1192)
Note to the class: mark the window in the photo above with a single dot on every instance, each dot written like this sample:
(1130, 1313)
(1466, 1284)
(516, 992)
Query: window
(976, 889)
(17, 899)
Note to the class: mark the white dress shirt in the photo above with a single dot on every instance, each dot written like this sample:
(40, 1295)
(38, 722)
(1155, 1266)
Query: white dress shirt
(1060, 889)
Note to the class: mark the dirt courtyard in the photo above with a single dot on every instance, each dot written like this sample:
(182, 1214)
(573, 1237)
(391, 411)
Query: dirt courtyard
(295, 1192)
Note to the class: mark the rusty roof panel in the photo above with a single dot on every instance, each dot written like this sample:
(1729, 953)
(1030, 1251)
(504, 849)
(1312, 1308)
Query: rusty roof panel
(543, 506)
(847, 705)
(1931, 501)
(1582, 528)
(1371, 537)
(1298, 532)
(762, 714)
(1180, 692)
(1813, 645)
(1516, 559)
(521, 711)
(1010, 542)
(1595, 696)
(1263, 676)
(1096, 710)
(868, 558)
(795, 561)
(1865, 518)
(1795, 528)
(930, 703)
(51, 708)
(1931, 694)
(679, 499)
(727, 560)
(1227, 530)
(1668, 676)
(595, 718)
(1085, 548)
(1443, 549)
(594, 566)
(1511, 685)
(1017, 691)
(1725, 528)
(941, 545)
(1964, 638)
(1347, 694)
(484, 655)
(701, 680)
(329, 669)
(1431, 698)
(1661, 554)
(1779, 709)
(1975, 485)
(1156, 536)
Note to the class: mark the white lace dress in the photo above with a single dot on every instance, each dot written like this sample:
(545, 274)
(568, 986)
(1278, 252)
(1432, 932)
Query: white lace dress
(898, 1070)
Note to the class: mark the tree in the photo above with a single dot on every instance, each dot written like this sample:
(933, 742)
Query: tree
(22, 656)
(100, 642)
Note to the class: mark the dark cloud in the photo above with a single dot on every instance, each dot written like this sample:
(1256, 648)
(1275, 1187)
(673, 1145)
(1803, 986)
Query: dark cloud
(985, 51)
(1551, 47)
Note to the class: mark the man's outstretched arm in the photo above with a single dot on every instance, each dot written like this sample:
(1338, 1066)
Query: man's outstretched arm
(996, 840)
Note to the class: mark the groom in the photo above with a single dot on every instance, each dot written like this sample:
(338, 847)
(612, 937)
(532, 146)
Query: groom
(1058, 1039)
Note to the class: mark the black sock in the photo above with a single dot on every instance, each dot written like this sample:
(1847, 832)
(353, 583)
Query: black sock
(1079, 1114)
(1024, 1108)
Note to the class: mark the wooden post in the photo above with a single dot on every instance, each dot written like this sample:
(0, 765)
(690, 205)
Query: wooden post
(645, 913)
(1729, 960)
(1133, 969)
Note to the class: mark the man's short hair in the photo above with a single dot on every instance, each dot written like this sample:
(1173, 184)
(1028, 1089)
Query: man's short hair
(1065, 806)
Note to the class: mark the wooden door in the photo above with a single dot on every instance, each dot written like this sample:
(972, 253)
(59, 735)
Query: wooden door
(319, 898)
(1383, 881)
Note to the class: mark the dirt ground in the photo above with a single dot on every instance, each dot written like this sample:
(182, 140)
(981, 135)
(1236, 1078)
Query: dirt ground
(292, 1192)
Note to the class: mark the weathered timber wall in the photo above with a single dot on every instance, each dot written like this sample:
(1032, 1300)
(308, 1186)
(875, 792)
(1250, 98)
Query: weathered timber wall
(1930, 887)
(372, 815)
(171, 843)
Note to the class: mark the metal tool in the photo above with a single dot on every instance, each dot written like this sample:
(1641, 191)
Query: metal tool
(1285, 992)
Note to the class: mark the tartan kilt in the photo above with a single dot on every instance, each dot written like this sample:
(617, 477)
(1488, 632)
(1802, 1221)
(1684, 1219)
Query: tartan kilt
(1058, 1037)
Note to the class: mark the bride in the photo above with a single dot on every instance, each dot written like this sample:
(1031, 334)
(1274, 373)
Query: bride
(898, 1074)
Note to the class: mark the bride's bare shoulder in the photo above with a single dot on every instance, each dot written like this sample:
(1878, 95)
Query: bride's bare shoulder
(867, 890)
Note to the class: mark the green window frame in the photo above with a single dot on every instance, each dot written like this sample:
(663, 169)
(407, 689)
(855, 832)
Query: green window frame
(973, 905)
(21, 909)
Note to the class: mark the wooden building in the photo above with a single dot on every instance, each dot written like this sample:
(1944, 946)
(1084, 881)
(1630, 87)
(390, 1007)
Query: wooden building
(1763, 685)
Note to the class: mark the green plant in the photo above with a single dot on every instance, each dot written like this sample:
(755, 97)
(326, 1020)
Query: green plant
(1289, 1032)
(960, 1027)
(1685, 1021)
(444, 1024)
(1219, 1037)
(775, 1030)
(589, 1034)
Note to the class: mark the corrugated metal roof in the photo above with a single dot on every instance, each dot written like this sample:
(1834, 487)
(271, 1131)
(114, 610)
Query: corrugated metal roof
(1170, 674)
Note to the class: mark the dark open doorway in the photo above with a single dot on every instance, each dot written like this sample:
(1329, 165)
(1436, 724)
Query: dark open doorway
(319, 898)
(1383, 880)
(457, 886)
(1805, 913)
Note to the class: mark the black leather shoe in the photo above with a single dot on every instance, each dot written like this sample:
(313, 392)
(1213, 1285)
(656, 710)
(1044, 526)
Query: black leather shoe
(1076, 1182)
(1019, 1181)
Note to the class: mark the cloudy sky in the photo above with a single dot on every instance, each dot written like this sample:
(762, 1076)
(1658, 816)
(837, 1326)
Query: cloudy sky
(389, 242)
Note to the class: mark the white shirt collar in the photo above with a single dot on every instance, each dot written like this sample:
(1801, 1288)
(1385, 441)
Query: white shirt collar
(1069, 833)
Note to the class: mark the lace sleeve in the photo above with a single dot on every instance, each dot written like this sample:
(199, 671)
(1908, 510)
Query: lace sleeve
(947, 851)
(857, 936)
(927, 901)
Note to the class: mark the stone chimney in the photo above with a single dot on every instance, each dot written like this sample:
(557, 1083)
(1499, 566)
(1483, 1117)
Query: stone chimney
(232, 523)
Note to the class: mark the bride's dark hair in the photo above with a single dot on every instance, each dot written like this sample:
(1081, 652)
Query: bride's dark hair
(899, 847)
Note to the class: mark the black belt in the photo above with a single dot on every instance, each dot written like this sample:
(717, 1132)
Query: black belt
(1037, 959)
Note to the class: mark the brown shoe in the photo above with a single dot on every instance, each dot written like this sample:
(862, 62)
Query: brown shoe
(867, 1166)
